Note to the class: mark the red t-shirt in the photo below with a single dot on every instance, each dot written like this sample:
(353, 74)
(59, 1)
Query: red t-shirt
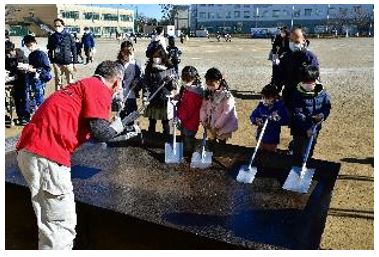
(61, 124)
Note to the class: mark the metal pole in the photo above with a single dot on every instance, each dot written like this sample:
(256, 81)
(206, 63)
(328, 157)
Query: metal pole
(256, 16)
(293, 13)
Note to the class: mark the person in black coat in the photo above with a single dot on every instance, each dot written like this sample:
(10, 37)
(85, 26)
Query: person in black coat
(291, 66)
(174, 53)
(13, 57)
(62, 53)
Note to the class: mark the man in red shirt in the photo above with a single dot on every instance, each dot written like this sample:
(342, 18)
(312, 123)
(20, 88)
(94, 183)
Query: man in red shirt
(66, 119)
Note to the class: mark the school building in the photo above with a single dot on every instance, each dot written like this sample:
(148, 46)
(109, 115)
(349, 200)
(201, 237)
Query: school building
(38, 18)
(240, 18)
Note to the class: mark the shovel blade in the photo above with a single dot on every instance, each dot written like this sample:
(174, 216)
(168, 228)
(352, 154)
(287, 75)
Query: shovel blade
(199, 161)
(246, 174)
(297, 183)
(171, 156)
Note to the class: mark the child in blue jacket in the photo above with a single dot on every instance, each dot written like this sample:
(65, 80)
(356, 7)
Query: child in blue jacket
(272, 108)
(38, 73)
(309, 105)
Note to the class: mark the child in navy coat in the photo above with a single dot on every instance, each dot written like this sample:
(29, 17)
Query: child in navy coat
(38, 72)
(272, 108)
(309, 105)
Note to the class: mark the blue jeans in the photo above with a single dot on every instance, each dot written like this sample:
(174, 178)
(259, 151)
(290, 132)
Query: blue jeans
(37, 88)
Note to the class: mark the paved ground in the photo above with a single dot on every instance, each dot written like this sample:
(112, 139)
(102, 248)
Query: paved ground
(347, 69)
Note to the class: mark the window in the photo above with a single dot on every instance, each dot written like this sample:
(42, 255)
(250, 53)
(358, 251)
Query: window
(246, 6)
(237, 6)
(110, 17)
(126, 18)
(275, 13)
(286, 13)
(70, 14)
(246, 14)
(91, 16)
(211, 15)
(236, 14)
(203, 15)
(73, 29)
(219, 16)
(95, 30)
(210, 5)
(317, 12)
(307, 12)
(219, 5)
(228, 15)
(296, 13)
(109, 30)
(343, 11)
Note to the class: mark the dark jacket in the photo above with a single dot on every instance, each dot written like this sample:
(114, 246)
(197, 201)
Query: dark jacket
(11, 66)
(291, 65)
(153, 79)
(304, 105)
(88, 41)
(280, 45)
(272, 133)
(39, 60)
(62, 48)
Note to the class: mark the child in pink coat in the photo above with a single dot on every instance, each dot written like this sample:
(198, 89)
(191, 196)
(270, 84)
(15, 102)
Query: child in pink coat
(218, 112)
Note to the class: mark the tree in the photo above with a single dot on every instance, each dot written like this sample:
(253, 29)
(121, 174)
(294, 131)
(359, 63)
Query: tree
(169, 12)
(362, 19)
(10, 11)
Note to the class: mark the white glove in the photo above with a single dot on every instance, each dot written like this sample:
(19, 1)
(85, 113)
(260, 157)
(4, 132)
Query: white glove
(276, 61)
(117, 125)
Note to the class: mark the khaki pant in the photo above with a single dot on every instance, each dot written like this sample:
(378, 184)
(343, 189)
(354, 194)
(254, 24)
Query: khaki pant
(59, 70)
(52, 199)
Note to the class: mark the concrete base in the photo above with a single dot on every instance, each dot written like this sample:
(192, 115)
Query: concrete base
(205, 209)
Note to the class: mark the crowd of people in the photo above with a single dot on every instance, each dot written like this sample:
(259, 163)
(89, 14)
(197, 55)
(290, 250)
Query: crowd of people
(79, 111)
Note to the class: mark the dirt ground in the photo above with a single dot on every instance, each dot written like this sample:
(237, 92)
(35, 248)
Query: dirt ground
(347, 70)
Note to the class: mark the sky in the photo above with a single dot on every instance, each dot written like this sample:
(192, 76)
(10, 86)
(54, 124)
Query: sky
(149, 10)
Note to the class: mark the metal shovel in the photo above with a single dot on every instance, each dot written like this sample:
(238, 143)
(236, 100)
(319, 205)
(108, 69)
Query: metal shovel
(247, 173)
(174, 151)
(300, 178)
(202, 159)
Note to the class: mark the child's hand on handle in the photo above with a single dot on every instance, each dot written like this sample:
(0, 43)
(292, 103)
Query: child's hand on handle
(318, 118)
(309, 132)
(259, 122)
(275, 116)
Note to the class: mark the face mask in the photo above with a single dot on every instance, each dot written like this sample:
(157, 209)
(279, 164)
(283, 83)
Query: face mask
(157, 60)
(309, 86)
(59, 29)
(296, 47)
(86, 31)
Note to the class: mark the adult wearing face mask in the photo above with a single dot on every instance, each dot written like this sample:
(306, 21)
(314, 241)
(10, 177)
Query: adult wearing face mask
(293, 63)
(64, 121)
(88, 45)
(62, 53)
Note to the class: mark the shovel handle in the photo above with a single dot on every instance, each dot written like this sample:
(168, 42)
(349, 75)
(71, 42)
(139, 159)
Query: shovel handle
(309, 146)
(258, 143)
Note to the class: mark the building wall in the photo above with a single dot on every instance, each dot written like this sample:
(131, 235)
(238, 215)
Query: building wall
(77, 17)
(246, 16)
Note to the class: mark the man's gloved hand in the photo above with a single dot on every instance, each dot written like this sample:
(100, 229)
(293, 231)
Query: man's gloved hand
(117, 125)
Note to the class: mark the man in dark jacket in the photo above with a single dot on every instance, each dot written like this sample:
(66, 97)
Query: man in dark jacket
(88, 44)
(293, 62)
(62, 53)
